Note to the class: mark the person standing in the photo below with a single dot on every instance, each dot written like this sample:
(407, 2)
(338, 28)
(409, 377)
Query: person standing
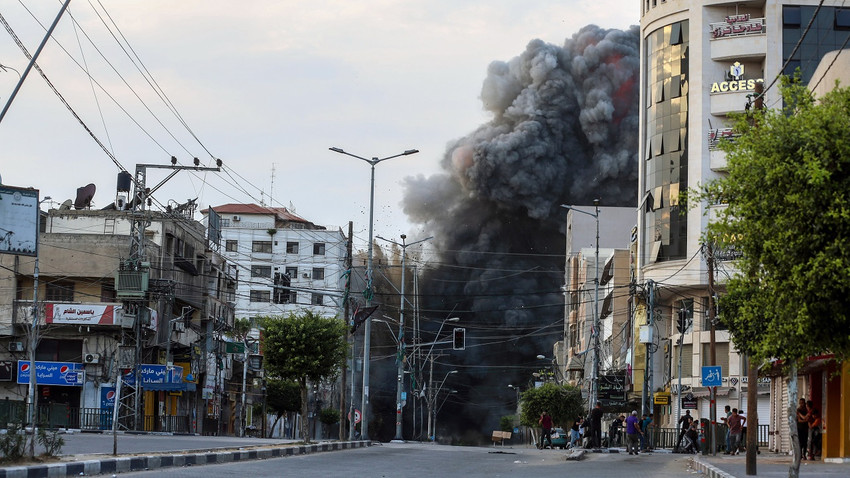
(575, 433)
(685, 425)
(736, 428)
(614, 431)
(596, 426)
(632, 433)
(545, 423)
(803, 427)
(725, 420)
(645, 443)
(814, 431)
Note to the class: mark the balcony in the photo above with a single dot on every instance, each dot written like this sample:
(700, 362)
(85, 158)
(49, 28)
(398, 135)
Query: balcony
(738, 38)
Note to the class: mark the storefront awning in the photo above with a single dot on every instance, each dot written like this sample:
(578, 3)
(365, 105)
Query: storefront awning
(699, 392)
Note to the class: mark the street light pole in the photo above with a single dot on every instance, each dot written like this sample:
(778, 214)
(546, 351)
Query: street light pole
(367, 329)
(400, 353)
(594, 384)
(432, 410)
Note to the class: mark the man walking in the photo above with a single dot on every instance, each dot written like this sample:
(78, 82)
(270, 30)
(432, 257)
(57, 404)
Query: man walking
(614, 431)
(633, 433)
(545, 423)
(736, 428)
(596, 426)
(685, 424)
(728, 410)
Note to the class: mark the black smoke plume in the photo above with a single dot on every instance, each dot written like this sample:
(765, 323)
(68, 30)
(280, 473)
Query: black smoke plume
(564, 130)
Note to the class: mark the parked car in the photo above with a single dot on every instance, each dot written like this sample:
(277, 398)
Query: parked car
(560, 438)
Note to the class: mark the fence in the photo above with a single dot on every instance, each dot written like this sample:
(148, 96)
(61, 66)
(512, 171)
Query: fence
(666, 438)
(58, 415)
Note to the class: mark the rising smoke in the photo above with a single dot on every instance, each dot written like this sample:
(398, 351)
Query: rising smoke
(564, 130)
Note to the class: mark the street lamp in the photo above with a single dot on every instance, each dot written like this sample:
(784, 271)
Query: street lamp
(364, 399)
(594, 380)
(430, 357)
(400, 354)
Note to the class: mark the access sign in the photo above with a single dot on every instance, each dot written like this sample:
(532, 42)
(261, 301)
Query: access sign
(711, 376)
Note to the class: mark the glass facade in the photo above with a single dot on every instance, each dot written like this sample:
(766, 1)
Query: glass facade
(665, 139)
(828, 32)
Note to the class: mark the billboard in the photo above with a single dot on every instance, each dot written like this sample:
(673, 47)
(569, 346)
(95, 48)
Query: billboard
(67, 374)
(18, 221)
(214, 228)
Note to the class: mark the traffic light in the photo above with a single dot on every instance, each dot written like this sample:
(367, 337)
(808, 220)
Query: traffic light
(682, 321)
(459, 338)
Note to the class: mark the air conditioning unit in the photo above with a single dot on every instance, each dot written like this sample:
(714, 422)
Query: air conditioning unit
(237, 218)
(306, 275)
(16, 347)
(91, 358)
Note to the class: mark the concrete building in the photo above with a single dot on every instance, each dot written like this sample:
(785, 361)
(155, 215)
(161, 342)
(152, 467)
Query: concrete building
(284, 263)
(700, 62)
(82, 322)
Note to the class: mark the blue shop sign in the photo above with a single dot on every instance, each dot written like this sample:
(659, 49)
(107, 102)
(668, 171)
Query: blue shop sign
(67, 374)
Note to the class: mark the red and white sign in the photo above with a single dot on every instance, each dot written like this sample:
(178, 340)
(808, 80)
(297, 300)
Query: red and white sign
(357, 416)
(80, 314)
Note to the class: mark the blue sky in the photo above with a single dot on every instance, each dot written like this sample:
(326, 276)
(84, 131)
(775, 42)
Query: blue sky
(268, 87)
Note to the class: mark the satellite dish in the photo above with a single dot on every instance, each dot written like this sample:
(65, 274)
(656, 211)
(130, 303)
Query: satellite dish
(66, 205)
(84, 196)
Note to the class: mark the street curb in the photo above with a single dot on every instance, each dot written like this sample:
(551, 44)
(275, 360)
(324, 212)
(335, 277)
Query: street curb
(153, 462)
(709, 470)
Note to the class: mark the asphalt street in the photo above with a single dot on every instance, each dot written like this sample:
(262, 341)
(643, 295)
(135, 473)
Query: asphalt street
(418, 460)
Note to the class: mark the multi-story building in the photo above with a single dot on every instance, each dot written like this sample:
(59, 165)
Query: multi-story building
(284, 263)
(82, 320)
(700, 61)
(575, 355)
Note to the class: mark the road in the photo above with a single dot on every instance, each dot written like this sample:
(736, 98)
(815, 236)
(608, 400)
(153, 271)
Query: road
(418, 460)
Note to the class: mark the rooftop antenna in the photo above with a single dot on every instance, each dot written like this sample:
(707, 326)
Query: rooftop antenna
(271, 189)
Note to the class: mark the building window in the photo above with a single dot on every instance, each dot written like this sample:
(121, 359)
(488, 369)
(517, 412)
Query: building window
(261, 271)
(791, 16)
(261, 246)
(231, 246)
(318, 273)
(292, 272)
(261, 296)
(319, 249)
(842, 18)
(282, 293)
(58, 291)
(317, 299)
(292, 248)
(107, 293)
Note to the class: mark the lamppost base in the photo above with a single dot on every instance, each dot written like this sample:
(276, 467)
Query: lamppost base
(396, 440)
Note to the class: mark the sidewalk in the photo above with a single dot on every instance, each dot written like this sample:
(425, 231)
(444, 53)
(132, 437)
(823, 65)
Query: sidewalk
(87, 465)
(767, 465)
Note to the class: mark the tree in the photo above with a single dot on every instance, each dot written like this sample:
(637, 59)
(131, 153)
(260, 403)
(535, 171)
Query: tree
(282, 397)
(304, 347)
(788, 220)
(563, 402)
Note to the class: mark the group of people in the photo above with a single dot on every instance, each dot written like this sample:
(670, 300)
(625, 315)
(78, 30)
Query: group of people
(809, 429)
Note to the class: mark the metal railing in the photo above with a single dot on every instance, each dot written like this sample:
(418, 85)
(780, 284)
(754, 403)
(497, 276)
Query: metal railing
(53, 415)
(666, 438)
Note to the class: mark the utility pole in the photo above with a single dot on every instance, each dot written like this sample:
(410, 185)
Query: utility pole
(133, 276)
(712, 354)
(345, 313)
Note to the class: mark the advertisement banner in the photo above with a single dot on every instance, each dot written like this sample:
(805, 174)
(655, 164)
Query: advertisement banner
(66, 374)
(18, 221)
(107, 398)
(80, 314)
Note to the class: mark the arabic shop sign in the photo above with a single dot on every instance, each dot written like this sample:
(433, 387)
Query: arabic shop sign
(736, 81)
(737, 25)
(67, 374)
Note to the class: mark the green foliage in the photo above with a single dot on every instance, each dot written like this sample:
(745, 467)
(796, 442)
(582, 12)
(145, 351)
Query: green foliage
(12, 443)
(563, 402)
(329, 416)
(283, 396)
(506, 423)
(52, 441)
(788, 215)
(304, 346)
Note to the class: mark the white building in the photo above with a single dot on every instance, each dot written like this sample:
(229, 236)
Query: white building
(700, 61)
(284, 263)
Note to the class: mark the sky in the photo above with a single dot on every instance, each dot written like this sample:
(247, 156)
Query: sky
(267, 87)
